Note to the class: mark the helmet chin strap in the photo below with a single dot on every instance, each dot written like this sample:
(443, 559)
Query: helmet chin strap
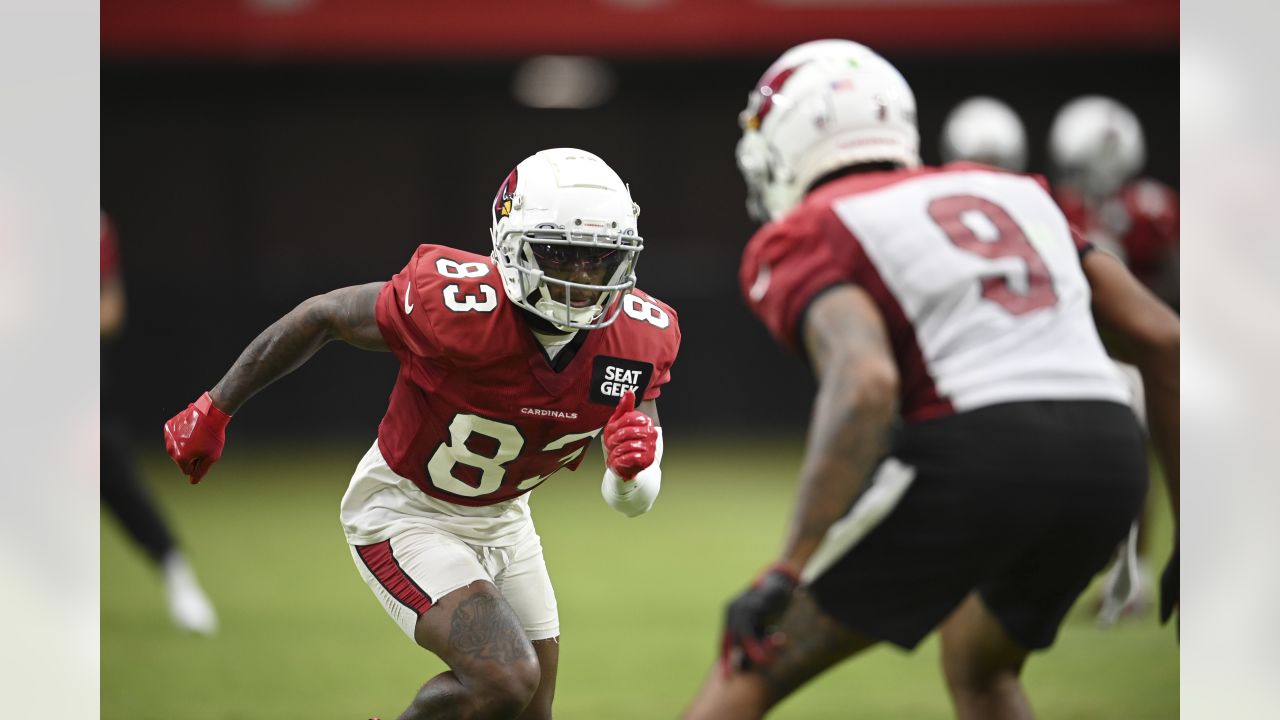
(556, 310)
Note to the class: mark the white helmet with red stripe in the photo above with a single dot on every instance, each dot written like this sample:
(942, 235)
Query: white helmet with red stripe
(565, 239)
(823, 105)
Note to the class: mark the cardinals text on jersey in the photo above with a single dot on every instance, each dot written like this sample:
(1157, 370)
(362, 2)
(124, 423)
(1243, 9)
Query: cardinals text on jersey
(975, 272)
(479, 413)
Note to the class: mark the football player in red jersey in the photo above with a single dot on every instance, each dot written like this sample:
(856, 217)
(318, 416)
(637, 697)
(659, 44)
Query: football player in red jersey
(494, 396)
(972, 461)
(122, 489)
(1097, 149)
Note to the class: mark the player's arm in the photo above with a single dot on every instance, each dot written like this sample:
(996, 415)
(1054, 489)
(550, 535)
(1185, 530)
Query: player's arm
(195, 436)
(1140, 329)
(346, 314)
(848, 345)
(1144, 331)
(632, 443)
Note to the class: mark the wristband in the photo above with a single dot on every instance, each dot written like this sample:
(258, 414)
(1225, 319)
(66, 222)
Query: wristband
(205, 406)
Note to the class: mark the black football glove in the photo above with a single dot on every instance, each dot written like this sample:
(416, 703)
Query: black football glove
(1169, 586)
(750, 619)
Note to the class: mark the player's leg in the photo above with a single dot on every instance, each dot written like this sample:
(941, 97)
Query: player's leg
(520, 573)
(1127, 586)
(436, 589)
(982, 665)
(814, 641)
(493, 668)
(124, 494)
(891, 570)
(539, 707)
(1067, 495)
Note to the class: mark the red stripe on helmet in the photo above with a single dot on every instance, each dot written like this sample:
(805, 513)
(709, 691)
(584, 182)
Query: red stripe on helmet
(770, 88)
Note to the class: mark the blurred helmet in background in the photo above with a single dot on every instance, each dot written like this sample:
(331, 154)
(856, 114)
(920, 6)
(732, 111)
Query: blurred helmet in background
(823, 105)
(563, 216)
(985, 130)
(1096, 145)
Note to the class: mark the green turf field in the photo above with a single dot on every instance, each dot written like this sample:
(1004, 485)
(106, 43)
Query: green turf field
(640, 603)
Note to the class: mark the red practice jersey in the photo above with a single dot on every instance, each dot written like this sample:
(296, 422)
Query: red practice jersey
(109, 253)
(975, 272)
(1139, 224)
(478, 414)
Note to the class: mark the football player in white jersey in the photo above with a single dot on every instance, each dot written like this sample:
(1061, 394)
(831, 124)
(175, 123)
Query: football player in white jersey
(971, 462)
(985, 130)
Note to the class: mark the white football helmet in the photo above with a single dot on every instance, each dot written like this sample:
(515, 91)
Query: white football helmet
(565, 238)
(1096, 144)
(823, 105)
(986, 130)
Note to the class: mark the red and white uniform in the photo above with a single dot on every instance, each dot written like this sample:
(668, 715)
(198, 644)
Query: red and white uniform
(975, 272)
(1139, 224)
(479, 416)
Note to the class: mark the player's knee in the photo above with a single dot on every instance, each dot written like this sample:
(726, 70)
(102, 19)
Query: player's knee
(506, 692)
(967, 674)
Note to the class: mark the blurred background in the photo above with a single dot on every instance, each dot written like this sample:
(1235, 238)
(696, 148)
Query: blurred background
(257, 152)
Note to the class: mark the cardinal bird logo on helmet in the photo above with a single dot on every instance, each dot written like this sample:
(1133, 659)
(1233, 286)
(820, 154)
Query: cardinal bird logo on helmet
(506, 193)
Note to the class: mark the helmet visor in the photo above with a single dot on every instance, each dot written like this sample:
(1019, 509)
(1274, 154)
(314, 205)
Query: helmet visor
(573, 278)
(568, 259)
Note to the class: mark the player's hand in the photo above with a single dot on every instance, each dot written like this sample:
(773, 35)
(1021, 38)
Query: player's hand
(749, 637)
(1169, 586)
(630, 440)
(195, 436)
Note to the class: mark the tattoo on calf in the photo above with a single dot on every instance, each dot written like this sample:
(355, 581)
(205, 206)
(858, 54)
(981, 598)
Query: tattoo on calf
(483, 629)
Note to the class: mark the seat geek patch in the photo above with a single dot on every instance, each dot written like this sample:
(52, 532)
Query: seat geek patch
(610, 377)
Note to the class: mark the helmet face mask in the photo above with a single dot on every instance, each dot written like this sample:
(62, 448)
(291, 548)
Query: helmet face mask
(565, 239)
(823, 105)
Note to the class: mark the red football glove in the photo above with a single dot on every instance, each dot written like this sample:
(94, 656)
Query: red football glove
(195, 436)
(630, 440)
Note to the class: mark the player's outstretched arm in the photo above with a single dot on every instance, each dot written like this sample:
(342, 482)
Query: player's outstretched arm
(848, 345)
(1143, 330)
(195, 436)
(345, 314)
(1139, 328)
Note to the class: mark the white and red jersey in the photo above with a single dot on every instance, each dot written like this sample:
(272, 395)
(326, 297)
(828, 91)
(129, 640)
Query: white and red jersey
(479, 414)
(975, 272)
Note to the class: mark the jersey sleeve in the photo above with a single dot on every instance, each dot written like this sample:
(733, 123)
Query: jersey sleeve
(788, 264)
(668, 349)
(407, 333)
